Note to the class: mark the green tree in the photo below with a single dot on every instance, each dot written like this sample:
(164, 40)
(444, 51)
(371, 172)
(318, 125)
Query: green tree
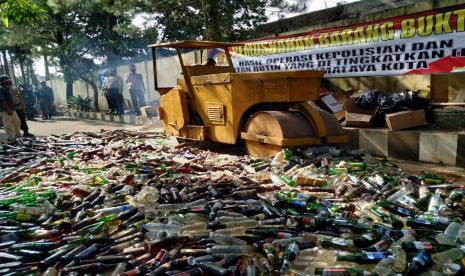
(224, 20)
(82, 35)
(20, 12)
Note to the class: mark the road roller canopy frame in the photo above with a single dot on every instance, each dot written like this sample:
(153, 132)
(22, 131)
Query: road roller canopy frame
(265, 110)
(192, 44)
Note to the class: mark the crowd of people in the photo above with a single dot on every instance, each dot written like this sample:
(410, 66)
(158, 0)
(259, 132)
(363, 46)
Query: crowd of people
(113, 86)
(17, 105)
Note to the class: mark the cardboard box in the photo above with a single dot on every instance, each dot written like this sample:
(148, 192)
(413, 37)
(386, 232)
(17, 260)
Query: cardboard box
(406, 119)
(356, 116)
(331, 102)
(334, 102)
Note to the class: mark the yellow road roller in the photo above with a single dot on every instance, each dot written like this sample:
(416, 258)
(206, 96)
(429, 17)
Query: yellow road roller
(268, 111)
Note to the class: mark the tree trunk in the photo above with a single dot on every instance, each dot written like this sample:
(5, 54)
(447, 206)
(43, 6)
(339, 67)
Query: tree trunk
(2, 68)
(211, 13)
(94, 89)
(23, 73)
(5, 63)
(68, 77)
(69, 89)
(65, 66)
(13, 75)
(34, 79)
(47, 71)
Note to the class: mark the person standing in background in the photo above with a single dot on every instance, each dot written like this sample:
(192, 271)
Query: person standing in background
(115, 88)
(19, 106)
(10, 119)
(120, 94)
(136, 88)
(106, 92)
(29, 100)
(45, 98)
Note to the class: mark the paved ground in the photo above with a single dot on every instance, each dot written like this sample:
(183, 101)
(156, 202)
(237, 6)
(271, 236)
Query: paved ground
(61, 125)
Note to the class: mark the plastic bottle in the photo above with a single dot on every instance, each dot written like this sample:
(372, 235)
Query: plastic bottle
(230, 250)
(233, 232)
(51, 271)
(198, 226)
(462, 233)
(228, 219)
(403, 239)
(169, 228)
(450, 269)
(249, 223)
(449, 255)
(434, 204)
(385, 266)
(227, 240)
(450, 235)
(400, 259)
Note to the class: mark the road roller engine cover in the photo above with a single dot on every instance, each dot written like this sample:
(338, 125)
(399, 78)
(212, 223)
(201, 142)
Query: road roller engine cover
(268, 111)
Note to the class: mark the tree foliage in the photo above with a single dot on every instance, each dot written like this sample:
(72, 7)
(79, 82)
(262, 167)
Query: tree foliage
(226, 20)
(23, 12)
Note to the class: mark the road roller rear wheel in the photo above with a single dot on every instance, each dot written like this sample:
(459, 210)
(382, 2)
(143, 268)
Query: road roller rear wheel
(280, 124)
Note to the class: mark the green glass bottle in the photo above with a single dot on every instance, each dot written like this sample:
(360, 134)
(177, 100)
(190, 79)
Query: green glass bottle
(337, 171)
(18, 216)
(416, 246)
(343, 272)
(357, 166)
(337, 243)
(287, 154)
(363, 257)
(289, 181)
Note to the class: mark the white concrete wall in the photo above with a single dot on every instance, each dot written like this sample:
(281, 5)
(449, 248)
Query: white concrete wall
(168, 69)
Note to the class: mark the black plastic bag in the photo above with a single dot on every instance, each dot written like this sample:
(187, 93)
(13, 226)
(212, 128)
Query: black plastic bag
(369, 99)
(416, 101)
(389, 103)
